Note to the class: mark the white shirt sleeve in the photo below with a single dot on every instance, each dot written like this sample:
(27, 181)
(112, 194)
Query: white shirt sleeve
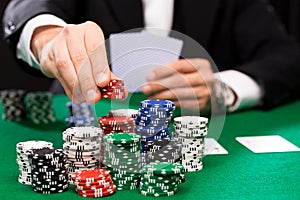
(248, 92)
(23, 47)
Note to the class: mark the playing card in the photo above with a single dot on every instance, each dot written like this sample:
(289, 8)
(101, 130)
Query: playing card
(134, 55)
(212, 147)
(267, 144)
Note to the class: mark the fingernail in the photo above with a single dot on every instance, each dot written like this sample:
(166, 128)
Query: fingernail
(150, 76)
(101, 77)
(146, 89)
(90, 95)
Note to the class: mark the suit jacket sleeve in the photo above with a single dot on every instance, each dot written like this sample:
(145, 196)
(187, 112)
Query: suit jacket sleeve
(267, 53)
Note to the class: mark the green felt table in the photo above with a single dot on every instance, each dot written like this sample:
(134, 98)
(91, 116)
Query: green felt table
(240, 174)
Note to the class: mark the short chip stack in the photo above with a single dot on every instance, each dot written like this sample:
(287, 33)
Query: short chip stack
(115, 89)
(190, 132)
(13, 104)
(39, 107)
(122, 159)
(166, 150)
(24, 151)
(160, 179)
(82, 147)
(80, 114)
(93, 183)
(49, 171)
(116, 124)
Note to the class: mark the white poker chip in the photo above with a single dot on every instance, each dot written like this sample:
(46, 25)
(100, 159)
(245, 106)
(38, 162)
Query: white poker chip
(83, 132)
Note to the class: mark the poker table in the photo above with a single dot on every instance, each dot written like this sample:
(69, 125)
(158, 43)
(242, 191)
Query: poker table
(240, 174)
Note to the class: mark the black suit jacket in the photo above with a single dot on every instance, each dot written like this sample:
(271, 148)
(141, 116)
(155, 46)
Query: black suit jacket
(243, 35)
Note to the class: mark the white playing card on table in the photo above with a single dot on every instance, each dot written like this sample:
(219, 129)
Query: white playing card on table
(134, 55)
(267, 144)
(212, 147)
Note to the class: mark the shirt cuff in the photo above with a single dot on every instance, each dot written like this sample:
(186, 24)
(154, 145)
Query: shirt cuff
(23, 47)
(248, 92)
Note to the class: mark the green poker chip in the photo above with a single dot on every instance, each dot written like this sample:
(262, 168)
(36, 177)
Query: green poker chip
(122, 138)
(163, 168)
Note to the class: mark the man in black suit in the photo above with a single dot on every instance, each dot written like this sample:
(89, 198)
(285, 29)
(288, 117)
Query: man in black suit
(259, 61)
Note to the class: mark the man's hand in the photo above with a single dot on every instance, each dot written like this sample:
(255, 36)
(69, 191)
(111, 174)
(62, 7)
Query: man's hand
(76, 56)
(184, 81)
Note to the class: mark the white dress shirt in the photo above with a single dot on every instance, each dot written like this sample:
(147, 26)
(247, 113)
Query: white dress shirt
(157, 14)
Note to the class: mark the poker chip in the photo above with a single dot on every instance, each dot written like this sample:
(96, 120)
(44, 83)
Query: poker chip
(82, 147)
(24, 151)
(39, 107)
(13, 104)
(93, 183)
(161, 179)
(190, 132)
(49, 169)
(123, 113)
(82, 114)
(115, 89)
(122, 158)
(116, 124)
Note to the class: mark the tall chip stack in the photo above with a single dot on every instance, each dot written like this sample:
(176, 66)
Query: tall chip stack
(82, 114)
(39, 107)
(24, 151)
(152, 122)
(49, 171)
(13, 104)
(122, 159)
(161, 179)
(190, 132)
(82, 147)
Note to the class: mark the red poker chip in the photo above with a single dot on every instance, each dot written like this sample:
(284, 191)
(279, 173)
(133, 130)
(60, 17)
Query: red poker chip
(114, 82)
(109, 120)
(97, 193)
(109, 188)
(94, 187)
(95, 183)
(90, 174)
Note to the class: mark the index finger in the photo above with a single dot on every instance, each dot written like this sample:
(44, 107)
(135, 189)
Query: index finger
(95, 47)
(181, 66)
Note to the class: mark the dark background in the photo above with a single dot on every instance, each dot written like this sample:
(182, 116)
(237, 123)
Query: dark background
(13, 77)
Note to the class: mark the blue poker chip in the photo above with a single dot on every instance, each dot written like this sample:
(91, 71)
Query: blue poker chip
(80, 121)
(157, 103)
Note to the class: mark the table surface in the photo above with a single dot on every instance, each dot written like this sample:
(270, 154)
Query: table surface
(240, 174)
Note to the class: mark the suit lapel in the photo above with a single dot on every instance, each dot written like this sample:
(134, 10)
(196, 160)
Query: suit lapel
(129, 14)
(197, 15)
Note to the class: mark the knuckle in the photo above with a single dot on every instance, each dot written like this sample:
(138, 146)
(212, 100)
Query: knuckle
(79, 57)
(62, 64)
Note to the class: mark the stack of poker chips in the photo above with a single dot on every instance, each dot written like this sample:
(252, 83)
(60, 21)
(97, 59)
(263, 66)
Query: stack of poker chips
(116, 124)
(123, 112)
(160, 179)
(152, 121)
(80, 114)
(49, 171)
(93, 183)
(166, 150)
(39, 107)
(115, 89)
(122, 159)
(82, 147)
(13, 104)
(190, 132)
(24, 150)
